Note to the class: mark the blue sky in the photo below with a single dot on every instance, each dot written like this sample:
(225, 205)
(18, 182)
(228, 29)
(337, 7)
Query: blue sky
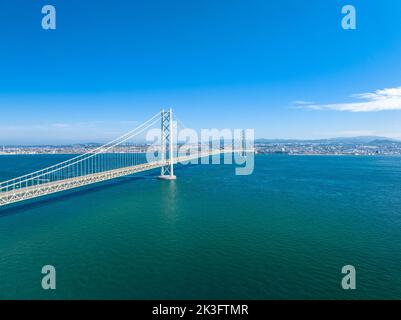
(285, 68)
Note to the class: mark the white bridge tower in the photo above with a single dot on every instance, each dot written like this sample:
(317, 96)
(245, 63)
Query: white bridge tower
(167, 141)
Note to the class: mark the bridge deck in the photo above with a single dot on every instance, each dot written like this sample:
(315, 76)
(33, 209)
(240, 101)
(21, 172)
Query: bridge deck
(42, 189)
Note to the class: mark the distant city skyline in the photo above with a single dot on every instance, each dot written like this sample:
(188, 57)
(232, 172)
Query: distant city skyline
(142, 142)
(286, 69)
(358, 146)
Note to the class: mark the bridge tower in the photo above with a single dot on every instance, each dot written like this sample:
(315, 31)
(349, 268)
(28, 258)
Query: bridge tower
(243, 143)
(167, 141)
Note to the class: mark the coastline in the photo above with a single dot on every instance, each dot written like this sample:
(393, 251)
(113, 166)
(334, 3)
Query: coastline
(258, 154)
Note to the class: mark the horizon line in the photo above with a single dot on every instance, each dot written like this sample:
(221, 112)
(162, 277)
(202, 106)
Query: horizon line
(60, 144)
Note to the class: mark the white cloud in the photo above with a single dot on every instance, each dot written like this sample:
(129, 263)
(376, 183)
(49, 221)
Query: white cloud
(380, 100)
(61, 125)
(302, 103)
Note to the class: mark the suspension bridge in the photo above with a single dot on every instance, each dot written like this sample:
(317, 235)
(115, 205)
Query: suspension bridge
(117, 158)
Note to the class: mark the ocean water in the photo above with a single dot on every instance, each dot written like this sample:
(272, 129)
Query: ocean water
(282, 233)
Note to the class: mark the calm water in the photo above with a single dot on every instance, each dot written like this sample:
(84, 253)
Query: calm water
(283, 232)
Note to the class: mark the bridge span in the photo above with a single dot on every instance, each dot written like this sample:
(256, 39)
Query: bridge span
(112, 160)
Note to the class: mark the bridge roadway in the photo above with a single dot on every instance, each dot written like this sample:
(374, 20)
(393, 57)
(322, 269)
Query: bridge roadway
(43, 189)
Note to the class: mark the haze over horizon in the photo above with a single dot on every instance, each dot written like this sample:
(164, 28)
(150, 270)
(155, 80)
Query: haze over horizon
(355, 139)
(286, 69)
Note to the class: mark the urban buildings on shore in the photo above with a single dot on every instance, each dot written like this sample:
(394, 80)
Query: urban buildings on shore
(322, 149)
(65, 149)
(290, 147)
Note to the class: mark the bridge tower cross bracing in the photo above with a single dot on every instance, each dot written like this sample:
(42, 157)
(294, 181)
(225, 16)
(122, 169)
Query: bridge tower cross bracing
(167, 139)
(243, 143)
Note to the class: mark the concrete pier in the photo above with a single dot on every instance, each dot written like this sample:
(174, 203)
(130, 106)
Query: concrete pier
(167, 177)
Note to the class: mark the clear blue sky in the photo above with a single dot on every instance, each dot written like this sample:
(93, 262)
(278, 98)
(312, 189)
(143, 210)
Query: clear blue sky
(224, 64)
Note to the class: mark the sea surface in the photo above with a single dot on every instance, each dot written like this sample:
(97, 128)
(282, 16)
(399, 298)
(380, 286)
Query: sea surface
(283, 232)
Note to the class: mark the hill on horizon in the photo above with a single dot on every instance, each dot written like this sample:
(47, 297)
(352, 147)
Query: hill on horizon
(342, 140)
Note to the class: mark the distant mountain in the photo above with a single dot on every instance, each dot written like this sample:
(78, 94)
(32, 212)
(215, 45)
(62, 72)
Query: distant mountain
(363, 139)
(371, 140)
(383, 142)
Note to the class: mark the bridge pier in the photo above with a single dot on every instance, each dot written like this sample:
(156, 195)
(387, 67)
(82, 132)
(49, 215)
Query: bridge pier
(167, 172)
(167, 177)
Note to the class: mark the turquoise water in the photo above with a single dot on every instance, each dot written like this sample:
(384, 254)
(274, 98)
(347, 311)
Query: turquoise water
(282, 233)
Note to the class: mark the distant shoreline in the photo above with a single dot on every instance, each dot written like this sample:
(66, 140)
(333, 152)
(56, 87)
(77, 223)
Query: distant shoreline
(331, 155)
(258, 154)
